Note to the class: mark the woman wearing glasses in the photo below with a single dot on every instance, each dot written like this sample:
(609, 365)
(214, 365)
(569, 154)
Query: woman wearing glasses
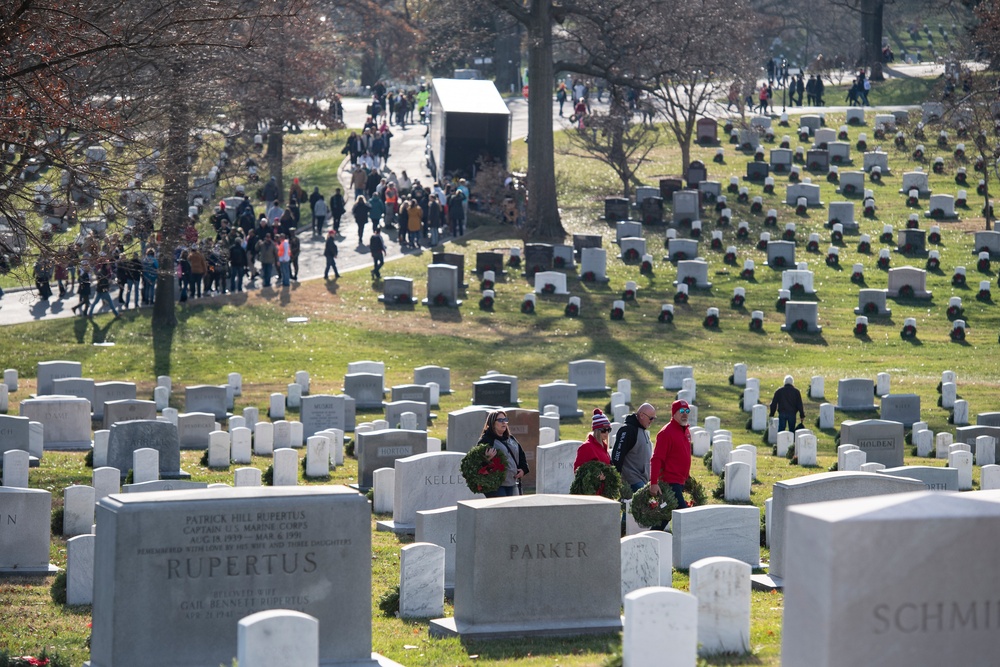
(595, 447)
(498, 437)
(671, 462)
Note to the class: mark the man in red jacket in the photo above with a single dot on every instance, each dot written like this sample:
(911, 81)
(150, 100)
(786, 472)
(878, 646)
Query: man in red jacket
(671, 462)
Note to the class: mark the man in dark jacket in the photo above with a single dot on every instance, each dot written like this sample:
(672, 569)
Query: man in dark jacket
(330, 252)
(377, 248)
(632, 449)
(237, 264)
(787, 402)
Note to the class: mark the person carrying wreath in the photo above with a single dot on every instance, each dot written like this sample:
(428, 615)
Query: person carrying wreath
(671, 461)
(595, 447)
(632, 449)
(787, 402)
(498, 437)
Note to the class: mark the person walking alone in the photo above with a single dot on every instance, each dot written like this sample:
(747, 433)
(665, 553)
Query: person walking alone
(787, 402)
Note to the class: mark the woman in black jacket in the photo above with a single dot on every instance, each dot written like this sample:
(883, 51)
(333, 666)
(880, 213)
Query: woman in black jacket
(498, 437)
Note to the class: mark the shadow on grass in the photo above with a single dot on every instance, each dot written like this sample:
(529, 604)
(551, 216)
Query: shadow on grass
(163, 345)
(809, 338)
(523, 647)
(445, 314)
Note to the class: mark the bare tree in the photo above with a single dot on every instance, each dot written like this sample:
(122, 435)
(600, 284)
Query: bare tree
(615, 139)
(703, 62)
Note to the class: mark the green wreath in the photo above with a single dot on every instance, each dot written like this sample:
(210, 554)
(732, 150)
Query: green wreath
(693, 488)
(484, 475)
(649, 510)
(588, 482)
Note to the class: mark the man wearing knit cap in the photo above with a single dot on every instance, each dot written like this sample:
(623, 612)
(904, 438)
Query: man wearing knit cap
(630, 455)
(671, 462)
(787, 402)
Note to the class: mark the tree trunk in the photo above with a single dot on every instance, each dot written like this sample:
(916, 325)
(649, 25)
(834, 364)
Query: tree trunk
(276, 153)
(176, 173)
(619, 111)
(543, 209)
(871, 37)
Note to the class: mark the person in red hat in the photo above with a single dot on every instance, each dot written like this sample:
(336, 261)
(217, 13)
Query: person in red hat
(671, 462)
(595, 447)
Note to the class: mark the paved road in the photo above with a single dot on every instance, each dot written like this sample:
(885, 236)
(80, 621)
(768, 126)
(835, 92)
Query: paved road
(408, 154)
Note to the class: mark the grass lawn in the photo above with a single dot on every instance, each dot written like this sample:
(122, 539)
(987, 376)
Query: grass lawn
(249, 334)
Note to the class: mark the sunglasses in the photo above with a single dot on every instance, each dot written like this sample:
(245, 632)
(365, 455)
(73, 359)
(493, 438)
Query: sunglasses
(502, 420)
(684, 411)
(650, 418)
(604, 430)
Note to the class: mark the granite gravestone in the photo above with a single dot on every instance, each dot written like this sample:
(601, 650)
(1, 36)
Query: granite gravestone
(127, 410)
(14, 433)
(65, 420)
(563, 396)
(819, 488)
(438, 374)
(489, 261)
(126, 437)
(452, 259)
(732, 531)
(902, 408)
(465, 426)
(176, 571)
(910, 276)
(367, 389)
(491, 392)
(524, 425)
(381, 449)
(206, 398)
(555, 466)
(427, 481)
(438, 527)
(397, 290)
(322, 411)
(420, 393)
(901, 608)
(111, 391)
(538, 257)
(193, 429)
(855, 394)
(881, 441)
(589, 375)
(80, 387)
(553, 543)
(25, 517)
(442, 286)
(934, 478)
(47, 371)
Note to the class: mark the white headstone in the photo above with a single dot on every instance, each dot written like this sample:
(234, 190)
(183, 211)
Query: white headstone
(80, 569)
(247, 477)
(318, 456)
(656, 618)
(277, 637)
(277, 406)
(105, 480)
(421, 580)
(640, 563)
(15, 468)
(263, 439)
(145, 465)
(286, 467)
(962, 461)
(384, 482)
(722, 586)
(78, 510)
(737, 482)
